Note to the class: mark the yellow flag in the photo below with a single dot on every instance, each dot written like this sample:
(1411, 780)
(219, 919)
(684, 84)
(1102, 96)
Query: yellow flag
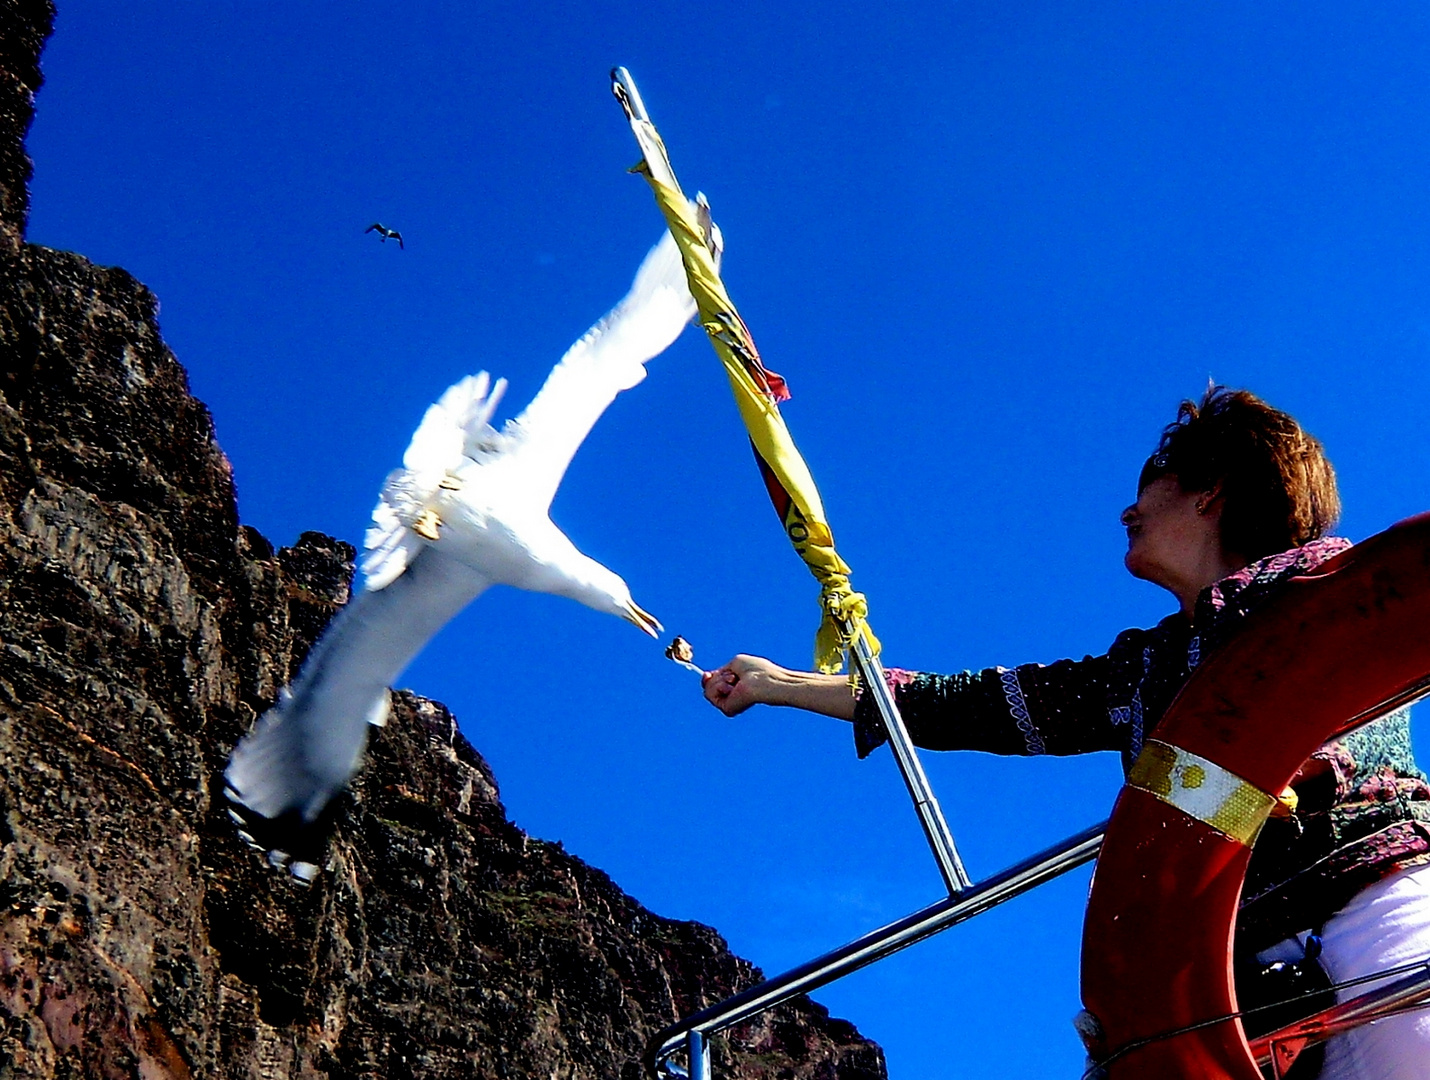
(758, 392)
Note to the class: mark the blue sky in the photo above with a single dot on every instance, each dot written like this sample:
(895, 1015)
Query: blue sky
(990, 245)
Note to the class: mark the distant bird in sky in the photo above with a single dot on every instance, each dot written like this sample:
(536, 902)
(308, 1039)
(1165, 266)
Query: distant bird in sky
(468, 509)
(386, 233)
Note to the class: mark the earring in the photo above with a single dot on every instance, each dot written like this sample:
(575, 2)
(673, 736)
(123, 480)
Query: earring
(1201, 508)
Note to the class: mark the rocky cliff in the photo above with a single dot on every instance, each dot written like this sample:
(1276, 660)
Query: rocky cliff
(142, 628)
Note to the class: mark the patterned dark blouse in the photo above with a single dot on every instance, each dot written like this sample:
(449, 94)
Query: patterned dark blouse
(1367, 813)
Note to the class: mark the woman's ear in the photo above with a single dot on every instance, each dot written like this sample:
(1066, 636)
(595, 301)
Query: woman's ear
(1209, 501)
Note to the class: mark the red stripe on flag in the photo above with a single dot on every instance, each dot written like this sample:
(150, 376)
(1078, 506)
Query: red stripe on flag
(778, 495)
(778, 390)
(772, 383)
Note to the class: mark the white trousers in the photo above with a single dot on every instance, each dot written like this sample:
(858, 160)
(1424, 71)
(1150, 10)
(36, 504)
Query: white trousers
(1384, 926)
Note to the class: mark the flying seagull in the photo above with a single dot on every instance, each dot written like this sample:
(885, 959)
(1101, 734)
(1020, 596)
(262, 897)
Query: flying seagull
(386, 233)
(467, 510)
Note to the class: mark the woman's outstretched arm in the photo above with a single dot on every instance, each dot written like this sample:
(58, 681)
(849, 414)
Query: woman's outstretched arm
(752, 680)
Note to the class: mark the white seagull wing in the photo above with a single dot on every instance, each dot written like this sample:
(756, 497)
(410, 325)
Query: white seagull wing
(609, 358)
(455, 428)
(305, 749)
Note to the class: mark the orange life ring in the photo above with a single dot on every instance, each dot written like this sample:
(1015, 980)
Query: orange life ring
(1337, 644)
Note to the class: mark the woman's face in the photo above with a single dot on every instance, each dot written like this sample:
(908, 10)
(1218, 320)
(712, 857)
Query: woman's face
(1166, 535)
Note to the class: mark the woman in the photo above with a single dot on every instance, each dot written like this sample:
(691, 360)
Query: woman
(1236, 500)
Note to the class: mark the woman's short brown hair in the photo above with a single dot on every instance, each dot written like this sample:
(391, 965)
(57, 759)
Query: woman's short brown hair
(1278, 488)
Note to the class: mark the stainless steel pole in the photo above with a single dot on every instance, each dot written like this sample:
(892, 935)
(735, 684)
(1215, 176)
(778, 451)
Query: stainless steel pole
(955, 877)
(622, 78)
(950, 865)
(699, 1051)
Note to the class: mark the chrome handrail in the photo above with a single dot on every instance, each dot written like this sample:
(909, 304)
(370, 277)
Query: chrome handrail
(911, 929)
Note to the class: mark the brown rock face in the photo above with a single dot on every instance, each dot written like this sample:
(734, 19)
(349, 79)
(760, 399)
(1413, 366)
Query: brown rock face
(24, 26)
(141, 630)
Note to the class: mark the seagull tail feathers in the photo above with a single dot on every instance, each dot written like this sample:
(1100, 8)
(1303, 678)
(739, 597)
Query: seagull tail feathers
(287, 841)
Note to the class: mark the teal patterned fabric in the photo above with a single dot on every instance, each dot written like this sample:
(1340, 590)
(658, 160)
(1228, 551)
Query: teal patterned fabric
(1384, 745)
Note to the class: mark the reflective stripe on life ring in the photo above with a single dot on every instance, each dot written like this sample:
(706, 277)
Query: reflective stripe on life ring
(1349, 640)
(1202, 789)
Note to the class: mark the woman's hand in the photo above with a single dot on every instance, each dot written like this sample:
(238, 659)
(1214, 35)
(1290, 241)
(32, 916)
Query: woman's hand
(752, 680)
(741, 682)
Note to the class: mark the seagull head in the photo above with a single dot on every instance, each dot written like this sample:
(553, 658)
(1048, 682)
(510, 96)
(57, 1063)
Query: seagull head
(586, 581)
(609, 593)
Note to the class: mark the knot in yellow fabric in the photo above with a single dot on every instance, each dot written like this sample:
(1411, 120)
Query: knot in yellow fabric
(845, 618)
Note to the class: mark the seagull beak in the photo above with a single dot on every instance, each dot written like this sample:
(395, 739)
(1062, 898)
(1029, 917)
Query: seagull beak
(633, 613)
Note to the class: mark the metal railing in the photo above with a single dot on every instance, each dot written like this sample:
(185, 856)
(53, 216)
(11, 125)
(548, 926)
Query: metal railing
(1278, 1050)
(693, 1032)
(964, 900)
